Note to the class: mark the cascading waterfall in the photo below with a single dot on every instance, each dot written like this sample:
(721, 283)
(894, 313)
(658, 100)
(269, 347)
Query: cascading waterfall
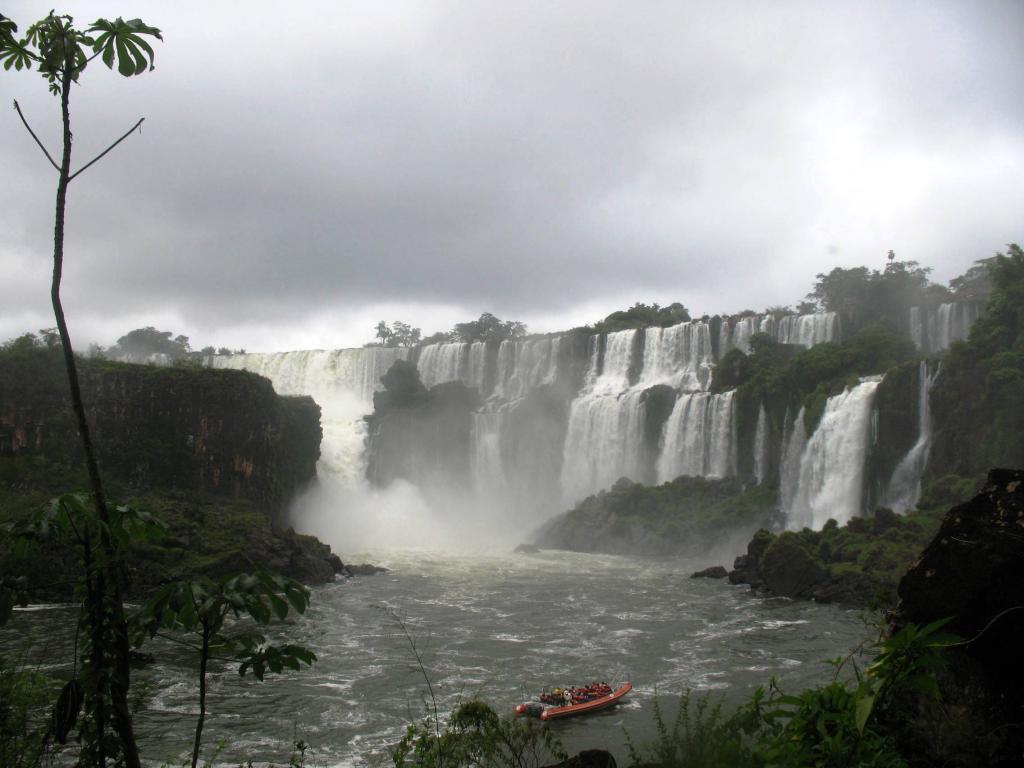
(342, 382)
(438, 363)
(699, 438)
(525, 365)
(679, 356)
(935, 329)
(905, 485)
(761, 446)
(605, 430)
(808, 330)
(522, 457)
(793, 444)
(830, 483)
(803, 330)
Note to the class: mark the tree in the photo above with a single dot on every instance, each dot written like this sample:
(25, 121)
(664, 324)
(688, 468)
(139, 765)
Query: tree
(404, 335)
(201, 608)
(383, 333)
(61, 54)
(140, 345)
(488, 328)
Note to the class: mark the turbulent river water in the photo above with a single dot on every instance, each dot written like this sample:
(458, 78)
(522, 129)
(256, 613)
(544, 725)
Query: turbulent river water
(488, 626)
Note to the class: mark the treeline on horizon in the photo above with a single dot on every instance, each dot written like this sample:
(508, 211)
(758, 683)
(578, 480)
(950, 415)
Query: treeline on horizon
(858, 295)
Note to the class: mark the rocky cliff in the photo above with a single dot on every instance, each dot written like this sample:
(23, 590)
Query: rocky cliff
(222, 433)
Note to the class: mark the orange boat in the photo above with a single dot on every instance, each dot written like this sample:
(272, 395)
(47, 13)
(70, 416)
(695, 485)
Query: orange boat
(594, 703)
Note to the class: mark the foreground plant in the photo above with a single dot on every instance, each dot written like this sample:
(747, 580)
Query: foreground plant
(201, 608)
(61, 53)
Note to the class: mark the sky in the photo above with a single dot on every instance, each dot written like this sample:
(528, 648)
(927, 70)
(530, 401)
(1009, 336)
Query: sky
(306, 170)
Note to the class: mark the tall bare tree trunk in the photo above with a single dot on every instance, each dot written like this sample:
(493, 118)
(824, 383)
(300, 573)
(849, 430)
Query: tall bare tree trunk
(107, 609)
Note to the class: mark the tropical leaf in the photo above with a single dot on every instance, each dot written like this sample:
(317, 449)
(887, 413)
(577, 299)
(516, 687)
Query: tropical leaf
(123, 40)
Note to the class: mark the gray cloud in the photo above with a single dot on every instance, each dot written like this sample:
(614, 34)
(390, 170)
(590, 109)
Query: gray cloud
(528, 159)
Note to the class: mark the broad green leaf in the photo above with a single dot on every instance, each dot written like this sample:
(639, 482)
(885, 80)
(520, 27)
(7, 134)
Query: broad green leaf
(122, 40)
(865, 705)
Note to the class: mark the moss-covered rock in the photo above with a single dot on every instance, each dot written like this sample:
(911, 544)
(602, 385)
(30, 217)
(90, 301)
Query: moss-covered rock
(689, 516)
(857, 564)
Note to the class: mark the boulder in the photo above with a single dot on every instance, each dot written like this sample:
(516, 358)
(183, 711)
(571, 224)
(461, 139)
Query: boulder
(973, 571)
(363, 569)
(790, 569)
(714, 572)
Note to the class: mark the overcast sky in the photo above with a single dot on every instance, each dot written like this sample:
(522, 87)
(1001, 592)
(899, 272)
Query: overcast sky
(304, 174)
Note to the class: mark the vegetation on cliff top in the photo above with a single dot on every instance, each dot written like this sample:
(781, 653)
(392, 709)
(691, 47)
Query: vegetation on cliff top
(687, 516)
(978, 399)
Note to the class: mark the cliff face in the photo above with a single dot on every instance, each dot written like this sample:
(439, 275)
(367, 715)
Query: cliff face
(223, 433)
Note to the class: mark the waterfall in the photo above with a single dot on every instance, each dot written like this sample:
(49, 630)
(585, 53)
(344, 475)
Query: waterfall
(699, 438)
(526, 365)
(905, 485)
(439, 363)
(605, 433)
(488, 462)
(952, 322)
(741, 332)
(793, 449)
(761, 445)
(916, 327)
(830, 483)
(808, 330)
(476, 368)
(342, 382)
(803, 330)
(679, 356)
(933, 330)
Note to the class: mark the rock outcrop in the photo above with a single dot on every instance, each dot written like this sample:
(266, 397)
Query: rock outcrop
(218, 432)
(973, 571)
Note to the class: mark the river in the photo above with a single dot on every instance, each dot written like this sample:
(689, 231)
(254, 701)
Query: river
(492, 627)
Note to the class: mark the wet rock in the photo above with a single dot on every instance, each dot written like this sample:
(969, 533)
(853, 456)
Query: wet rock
(714, 572)
(363, 569)
(973, 570)
(790, 569)
(527, 549)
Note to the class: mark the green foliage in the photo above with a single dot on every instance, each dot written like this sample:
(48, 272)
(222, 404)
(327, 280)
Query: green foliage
(59, 50)
(861, 295)
(947, 491)
(201, 607)
(687, 515)
(784, 376)
(643, 316)
(699, 736)
(845, 722)
(476, 736)
(978, 398)
(488, 328)
(398, 334)
(858, 563)
(140, 345)
(24, 698)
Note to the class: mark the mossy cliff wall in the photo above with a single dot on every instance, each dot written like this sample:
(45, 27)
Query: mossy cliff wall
(218, 432)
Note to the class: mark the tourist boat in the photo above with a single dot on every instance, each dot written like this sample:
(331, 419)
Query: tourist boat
(594, 703)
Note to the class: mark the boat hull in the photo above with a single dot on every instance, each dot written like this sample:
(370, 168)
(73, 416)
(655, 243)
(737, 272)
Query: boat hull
(585, 707)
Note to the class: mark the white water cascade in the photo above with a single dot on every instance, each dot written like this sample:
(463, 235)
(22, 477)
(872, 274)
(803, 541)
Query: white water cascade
(830, 483)
(905, 485)
(605, 430)
(761, 446)
(935, 329)
(679, 356)
(699, 438)
(803, 330)
(342, 382)
(793, 445)
(526, 365)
